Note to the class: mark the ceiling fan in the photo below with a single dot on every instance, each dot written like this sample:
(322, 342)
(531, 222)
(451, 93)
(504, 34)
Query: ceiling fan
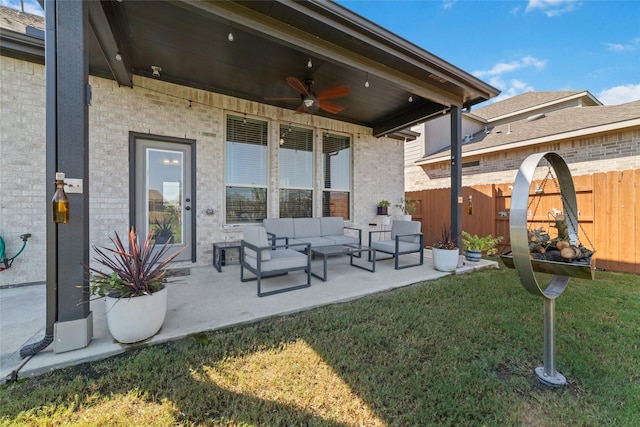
(312, 101)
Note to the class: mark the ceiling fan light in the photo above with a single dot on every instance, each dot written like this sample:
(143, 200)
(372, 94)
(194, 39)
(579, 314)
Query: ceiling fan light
(308, 102)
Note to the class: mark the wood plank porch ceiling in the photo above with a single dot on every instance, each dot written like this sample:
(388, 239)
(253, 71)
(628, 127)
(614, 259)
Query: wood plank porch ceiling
(273, 40)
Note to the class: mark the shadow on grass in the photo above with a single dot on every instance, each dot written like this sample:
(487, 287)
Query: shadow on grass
(459, 351)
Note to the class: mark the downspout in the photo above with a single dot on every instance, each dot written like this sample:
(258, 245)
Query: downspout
(52, 161)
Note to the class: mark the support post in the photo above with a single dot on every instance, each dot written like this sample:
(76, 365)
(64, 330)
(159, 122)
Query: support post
(67, 74)
(547, 374)
(456, 173)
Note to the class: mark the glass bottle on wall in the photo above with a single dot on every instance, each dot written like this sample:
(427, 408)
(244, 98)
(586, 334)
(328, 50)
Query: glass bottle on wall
(60, 201)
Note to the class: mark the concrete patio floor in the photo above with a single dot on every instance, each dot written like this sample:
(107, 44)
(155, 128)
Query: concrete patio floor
(203, 301)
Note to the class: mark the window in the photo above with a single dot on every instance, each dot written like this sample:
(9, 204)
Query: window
(296, 172)
(336, 172)
(246, 170)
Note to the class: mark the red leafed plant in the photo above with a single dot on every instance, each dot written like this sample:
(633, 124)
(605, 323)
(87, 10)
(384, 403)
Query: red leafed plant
(138, 270)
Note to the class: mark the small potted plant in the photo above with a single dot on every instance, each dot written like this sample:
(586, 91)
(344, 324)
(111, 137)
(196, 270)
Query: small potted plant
(445, 252)
(475, 245)
(134, 285)
(408, 207)
(383, 207)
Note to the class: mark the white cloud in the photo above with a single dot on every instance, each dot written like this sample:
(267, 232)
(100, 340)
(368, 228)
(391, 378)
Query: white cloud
(506, 67)
(619, 47)
(620, 94)
(552, 8)
(514, 86)
(448, 4)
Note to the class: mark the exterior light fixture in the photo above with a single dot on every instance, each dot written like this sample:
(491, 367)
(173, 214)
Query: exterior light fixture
(410, 98)
(118, 57)
(309, 64)
(366, 82)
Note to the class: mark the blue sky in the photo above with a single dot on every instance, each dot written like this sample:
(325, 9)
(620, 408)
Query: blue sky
(518, 46)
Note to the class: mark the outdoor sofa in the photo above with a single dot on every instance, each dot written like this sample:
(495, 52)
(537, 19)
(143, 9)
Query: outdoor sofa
(324, 231)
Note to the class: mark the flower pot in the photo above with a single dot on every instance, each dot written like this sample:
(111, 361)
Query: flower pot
(445, 259)
(383, 210)
(136, 319)
(473, 256)
(405, 217)
(385, 220)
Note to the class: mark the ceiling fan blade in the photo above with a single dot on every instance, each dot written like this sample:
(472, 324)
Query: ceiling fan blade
(301, 109)
(336, 92)
(298, 85)
(330, 107)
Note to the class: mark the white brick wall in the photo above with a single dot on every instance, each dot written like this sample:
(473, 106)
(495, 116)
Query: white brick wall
(160, 109)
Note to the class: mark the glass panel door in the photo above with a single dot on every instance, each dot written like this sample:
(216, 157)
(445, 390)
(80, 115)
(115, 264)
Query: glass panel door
(163, 193)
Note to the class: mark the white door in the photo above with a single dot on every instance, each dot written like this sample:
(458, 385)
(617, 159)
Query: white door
(164, 193)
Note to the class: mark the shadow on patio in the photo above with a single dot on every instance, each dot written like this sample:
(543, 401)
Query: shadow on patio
(205, 300)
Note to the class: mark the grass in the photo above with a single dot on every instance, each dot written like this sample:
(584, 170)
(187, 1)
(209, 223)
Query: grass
(458, 351)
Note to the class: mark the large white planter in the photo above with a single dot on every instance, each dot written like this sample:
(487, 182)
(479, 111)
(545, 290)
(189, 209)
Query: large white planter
(136, 319)
(445, 259)
(405, 217)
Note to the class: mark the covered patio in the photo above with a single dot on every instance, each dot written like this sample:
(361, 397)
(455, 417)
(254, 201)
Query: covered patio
(122, 74)
(205, 300)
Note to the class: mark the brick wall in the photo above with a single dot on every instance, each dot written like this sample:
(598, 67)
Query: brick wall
(163, 109)
(613, 151)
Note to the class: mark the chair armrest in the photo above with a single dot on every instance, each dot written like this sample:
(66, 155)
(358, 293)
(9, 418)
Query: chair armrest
(410, 235)
(377, 231)
(359, 233)
(258, 249)
(273, 239)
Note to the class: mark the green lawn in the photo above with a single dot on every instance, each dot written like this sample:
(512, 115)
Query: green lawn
(458, 351)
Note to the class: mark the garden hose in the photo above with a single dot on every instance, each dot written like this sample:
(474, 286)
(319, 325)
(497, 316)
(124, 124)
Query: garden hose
(8, 261)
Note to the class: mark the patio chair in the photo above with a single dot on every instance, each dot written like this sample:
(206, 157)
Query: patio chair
(265, 259)
(406, 238)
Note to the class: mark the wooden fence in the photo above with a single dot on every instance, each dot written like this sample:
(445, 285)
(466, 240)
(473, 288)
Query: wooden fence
(608, 214)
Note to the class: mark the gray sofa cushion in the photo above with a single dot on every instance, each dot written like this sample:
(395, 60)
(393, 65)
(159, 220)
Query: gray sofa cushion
(256, 236)
(343, 240)
(389, 246)
(281, 259)
(399, 228)
(316, 242)
(281, 227)
(331, 226)
(307, 227)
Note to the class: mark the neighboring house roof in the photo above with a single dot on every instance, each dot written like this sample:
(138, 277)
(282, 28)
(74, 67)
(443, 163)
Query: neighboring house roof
(531, 101)
(18, 21)
(547, 127)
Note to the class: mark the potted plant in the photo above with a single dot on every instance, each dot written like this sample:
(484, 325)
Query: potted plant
(134, 284)
(445, 252)
(407, 206)
(383, 207)
(475, 245)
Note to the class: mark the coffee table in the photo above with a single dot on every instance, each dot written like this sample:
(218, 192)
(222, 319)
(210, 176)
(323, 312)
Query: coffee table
(351, 250)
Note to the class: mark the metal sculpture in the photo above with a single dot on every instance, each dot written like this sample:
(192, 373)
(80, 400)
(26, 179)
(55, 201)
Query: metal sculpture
(519, 233)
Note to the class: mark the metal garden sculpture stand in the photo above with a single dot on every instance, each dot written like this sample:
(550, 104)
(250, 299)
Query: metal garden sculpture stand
(547, 374)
